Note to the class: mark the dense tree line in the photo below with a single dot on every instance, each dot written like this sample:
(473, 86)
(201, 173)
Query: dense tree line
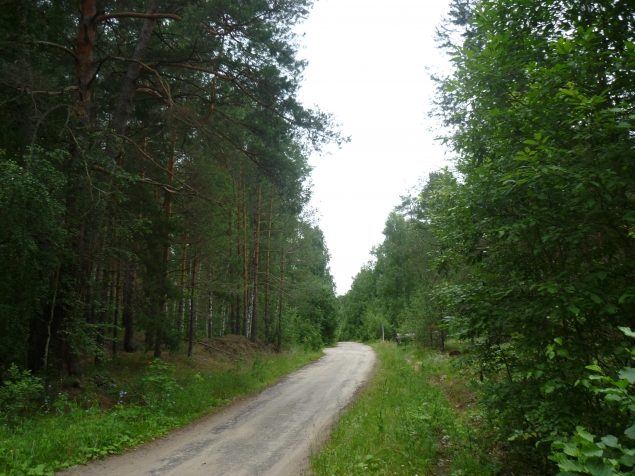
(534, 223)
(395, 287)
(153, 179)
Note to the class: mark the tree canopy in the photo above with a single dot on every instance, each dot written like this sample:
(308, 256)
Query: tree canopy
(154, 164)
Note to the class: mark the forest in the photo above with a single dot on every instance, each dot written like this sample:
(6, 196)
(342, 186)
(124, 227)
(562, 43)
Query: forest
(154, 180)
(523, 248)
(155, 187)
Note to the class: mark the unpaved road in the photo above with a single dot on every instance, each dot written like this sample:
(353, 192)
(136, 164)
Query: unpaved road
(269, 434)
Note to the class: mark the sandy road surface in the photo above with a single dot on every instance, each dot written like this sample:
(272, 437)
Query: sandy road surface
(270, 434)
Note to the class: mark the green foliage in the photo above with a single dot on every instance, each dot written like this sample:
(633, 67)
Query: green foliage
(611, 455)
(116, 182)
(79, 429)
(403, 424)
(19, 391)
(160, 377)
(606, 457)
(301, 332)
(397, 287)
(539, 207)
(32, 241)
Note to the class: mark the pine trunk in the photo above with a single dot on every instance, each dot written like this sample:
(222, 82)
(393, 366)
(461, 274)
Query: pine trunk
(245, 270)
(192, 311)
(181, 311)
(115, 321)
(256, 258)
(267, 320)
(127, 317)
(281, 303)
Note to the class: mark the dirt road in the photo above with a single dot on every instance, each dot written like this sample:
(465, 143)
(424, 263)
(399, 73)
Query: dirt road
(269, 434)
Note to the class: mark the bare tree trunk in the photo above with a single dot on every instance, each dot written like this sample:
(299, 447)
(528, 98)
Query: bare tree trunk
(221, 331)
(196, 302)
(281, 303)
(267, 321)
(239, 251)
(84, 63)
(50, 321)
(115, 321)
(165, 255)
(210, 310)
(250, 312)
(245, 271)
(210, 305)
(106, 304)
(191, 328)
(127, 317)
(126, 96)
(254, 323)
(238, 314)
(181, 311)
(232, 324)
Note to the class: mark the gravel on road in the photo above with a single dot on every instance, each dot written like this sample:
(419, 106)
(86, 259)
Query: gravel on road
(272, 433)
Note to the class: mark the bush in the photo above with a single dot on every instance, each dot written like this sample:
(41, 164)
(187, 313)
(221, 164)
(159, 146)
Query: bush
(159, 375)
(19, 391)
(611, 456)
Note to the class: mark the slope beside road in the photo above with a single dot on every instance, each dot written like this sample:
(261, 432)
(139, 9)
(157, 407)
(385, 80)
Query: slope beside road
(269, 434)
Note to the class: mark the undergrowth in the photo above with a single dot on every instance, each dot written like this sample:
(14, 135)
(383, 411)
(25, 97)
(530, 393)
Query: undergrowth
(74, 427)
(415, 418)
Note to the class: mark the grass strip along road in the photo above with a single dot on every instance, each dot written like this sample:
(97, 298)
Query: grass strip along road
(415, 418)
(151, 398)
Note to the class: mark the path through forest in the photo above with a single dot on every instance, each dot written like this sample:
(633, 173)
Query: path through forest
(269, 434)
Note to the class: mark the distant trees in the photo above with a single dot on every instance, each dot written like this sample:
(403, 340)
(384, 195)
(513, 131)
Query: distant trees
(536, 218)
(396, 288)
(153, 160)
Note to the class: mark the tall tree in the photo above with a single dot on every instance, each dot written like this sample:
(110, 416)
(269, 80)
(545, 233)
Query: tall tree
(541, 111)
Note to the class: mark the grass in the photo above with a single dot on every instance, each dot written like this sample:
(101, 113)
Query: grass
(415, 418)
(138, 400)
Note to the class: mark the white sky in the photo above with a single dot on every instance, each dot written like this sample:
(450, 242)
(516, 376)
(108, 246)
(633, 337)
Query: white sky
(367, 66)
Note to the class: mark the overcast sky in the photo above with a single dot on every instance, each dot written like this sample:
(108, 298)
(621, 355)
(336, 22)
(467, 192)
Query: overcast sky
(367, 66)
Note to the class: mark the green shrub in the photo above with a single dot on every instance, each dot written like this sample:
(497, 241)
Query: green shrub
(19, 391)
(611, 456)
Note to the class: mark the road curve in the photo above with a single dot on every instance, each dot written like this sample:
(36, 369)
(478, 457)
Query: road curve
(269, 434)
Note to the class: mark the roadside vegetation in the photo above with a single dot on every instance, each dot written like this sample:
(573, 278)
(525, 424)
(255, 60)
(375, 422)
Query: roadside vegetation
(523, 248)
(131, 399)
(415, 417)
